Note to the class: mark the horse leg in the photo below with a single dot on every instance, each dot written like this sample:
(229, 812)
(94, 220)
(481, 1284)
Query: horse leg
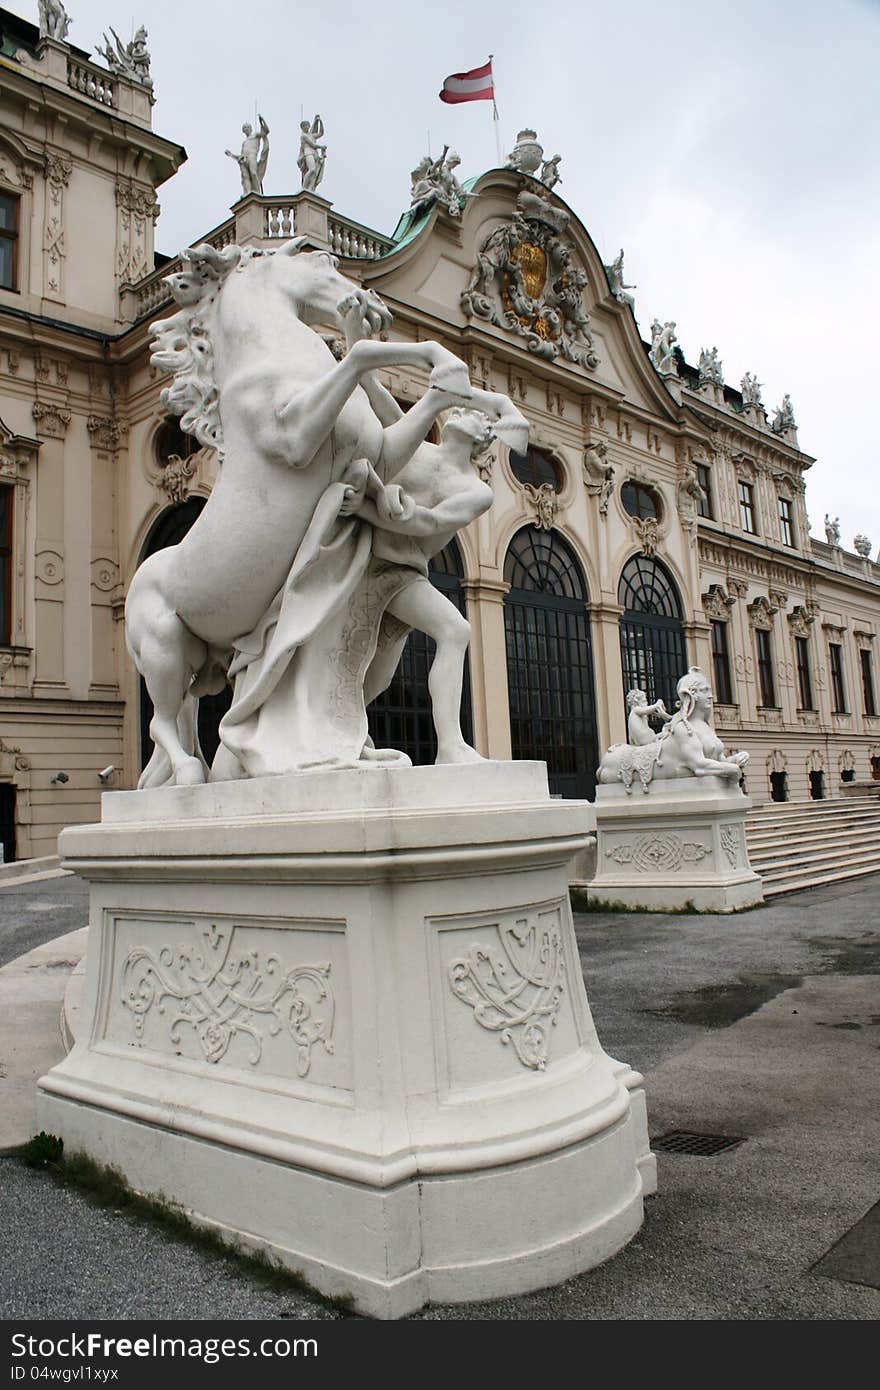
(310, 416)
(166, 654)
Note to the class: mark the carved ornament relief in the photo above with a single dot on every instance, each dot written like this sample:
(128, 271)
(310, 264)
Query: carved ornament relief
(515, 987)
(647, 533)
(658, 853)
(545, 501)
(717, 604)
(525, 280)
(761, 613)
(51, 420)
(216, 995)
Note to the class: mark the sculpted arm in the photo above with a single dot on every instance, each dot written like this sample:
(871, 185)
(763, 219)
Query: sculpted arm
(689, 752)
(450, 515)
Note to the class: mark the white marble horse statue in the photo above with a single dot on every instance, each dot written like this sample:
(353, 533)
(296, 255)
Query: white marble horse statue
(266, 587)
(687, 746)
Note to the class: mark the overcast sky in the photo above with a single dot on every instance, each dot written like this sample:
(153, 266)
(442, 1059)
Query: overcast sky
(730, 148)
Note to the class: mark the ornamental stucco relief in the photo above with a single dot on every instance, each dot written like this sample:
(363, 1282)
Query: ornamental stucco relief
(525, 280)
(515, 987)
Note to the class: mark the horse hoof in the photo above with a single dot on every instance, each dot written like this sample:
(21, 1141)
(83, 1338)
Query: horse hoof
(189, 774)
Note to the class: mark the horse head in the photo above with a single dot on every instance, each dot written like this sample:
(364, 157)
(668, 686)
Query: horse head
(319, 293)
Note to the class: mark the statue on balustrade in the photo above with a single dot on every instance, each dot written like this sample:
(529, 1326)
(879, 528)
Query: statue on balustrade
(312, 155)
(302, 577)
(54, 20)
(129, 60)
(687, 746)
(254, 158)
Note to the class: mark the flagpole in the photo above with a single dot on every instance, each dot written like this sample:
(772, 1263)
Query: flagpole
(495, 114)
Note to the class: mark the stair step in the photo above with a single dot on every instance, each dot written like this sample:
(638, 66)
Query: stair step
(778, 868)
(768, 842)
(774, 889)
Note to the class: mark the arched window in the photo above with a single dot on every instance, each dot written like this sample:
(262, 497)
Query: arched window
(640, 501)
(550, 661)
(652, 645)
(401, 716)
(168, 529)
(536, 467)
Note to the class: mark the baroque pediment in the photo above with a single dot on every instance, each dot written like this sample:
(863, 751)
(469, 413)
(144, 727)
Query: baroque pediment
(527, 281)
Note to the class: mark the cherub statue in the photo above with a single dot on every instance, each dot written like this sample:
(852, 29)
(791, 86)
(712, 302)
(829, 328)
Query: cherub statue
(663, 340)
(254, 157)
(54, 20)
(832, 530)
(750, 387)
(312, 155)
(614, 271)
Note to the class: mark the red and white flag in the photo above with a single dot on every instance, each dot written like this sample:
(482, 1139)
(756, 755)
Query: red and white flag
(476, 85)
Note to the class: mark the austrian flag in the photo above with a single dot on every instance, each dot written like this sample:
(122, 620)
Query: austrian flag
(476, 85)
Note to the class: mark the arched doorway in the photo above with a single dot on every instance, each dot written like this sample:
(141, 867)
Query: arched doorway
(550, 661)
(401, 716)
(168, 529)
(652, 646)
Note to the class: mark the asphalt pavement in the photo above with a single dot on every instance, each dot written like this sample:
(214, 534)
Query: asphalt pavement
(762, 1027)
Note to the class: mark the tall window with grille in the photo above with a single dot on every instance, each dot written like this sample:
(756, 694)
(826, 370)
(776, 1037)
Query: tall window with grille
(786, 522)
(706, 504)
(652, 644)
(549, 661)
(8, 241)
(868, 696)
(721, 665)
(805, 680)
(746, 495)
(766, 683)
(6, 496)
(838, 689)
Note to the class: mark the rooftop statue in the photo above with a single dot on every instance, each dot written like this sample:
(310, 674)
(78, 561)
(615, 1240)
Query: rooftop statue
(526, 155)
(550, 175)
(302, 576)
(687, 747)
(131, 60)
(662, 353)
(832, 530)
(783, 418)
(254, 158)
(710, 367)
(54, 20)
(312, 155)
(863, 546)
(750, 387)
(434, 181)
(614, 271)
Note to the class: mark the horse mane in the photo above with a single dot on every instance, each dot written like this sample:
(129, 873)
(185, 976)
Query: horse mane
(182, 344)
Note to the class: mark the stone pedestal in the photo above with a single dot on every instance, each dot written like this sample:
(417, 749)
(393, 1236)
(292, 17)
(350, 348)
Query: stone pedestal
(340, 1016)
(682, 843)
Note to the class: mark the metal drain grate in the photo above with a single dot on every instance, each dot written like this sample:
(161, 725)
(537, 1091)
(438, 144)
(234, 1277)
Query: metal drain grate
(684, 1141)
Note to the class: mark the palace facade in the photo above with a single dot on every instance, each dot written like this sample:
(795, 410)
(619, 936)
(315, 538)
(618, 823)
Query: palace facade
(658, 519)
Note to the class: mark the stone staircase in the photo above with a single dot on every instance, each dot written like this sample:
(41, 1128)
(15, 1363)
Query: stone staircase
(803, 844)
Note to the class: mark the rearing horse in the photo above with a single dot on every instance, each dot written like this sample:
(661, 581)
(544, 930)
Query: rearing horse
(255, 381)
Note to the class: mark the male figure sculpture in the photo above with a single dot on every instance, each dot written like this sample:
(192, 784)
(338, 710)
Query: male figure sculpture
(254, 157)
(312, 155)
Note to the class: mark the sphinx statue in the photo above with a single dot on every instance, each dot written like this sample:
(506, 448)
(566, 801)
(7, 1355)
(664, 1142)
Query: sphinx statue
(687, 746)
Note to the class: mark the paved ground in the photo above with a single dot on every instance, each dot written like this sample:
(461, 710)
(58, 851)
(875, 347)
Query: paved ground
(765, 1025)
